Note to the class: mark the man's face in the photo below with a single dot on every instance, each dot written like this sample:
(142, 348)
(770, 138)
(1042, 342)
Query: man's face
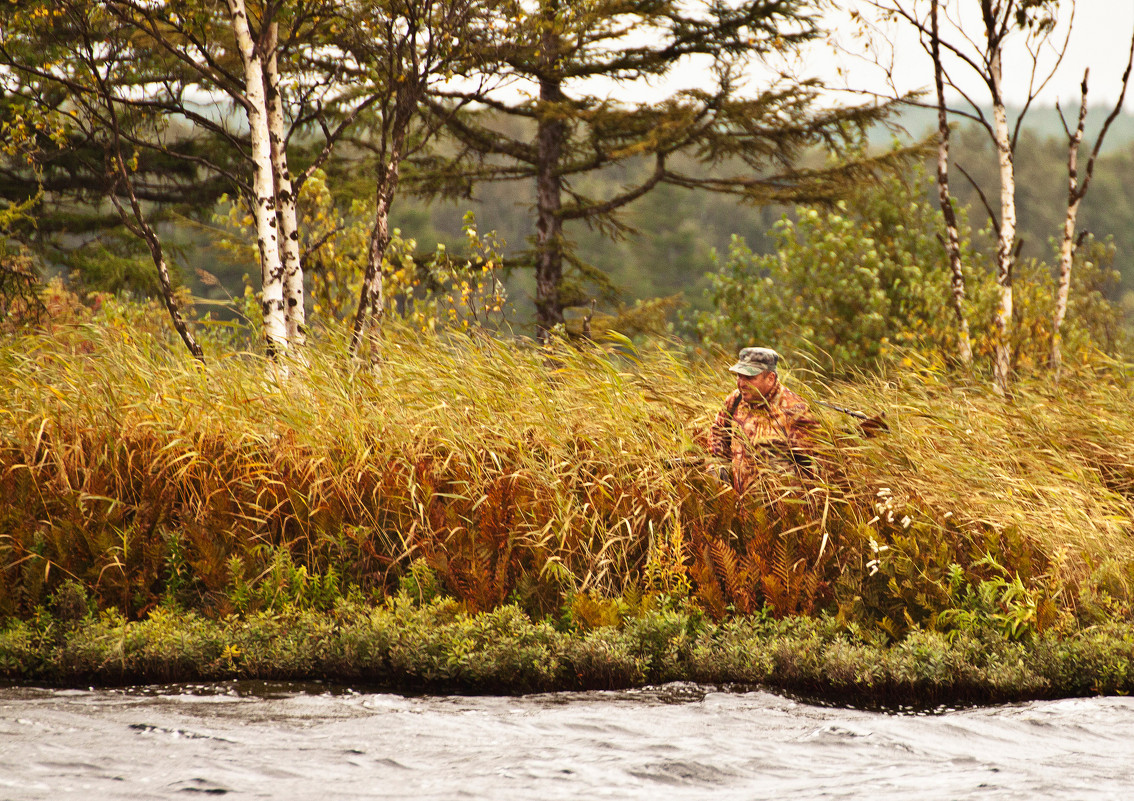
(757, 387)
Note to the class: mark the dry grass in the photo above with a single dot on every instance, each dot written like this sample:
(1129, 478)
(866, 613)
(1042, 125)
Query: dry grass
(1054, 464)
(538, 476)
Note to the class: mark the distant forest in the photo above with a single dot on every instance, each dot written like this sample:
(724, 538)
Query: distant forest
(678, 229)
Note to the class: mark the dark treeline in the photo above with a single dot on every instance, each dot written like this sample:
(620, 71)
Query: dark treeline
(678, 230)
(666, 250)
(674, 232)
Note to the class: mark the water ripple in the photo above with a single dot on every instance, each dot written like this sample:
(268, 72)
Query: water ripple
(680, 741)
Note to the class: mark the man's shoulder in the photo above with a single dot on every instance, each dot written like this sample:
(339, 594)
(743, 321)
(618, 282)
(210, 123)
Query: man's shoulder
(790, 401)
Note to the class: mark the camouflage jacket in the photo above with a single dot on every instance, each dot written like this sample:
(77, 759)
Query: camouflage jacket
(776, 433)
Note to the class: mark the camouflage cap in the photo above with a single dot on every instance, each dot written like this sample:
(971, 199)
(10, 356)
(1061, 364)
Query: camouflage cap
(753, 361)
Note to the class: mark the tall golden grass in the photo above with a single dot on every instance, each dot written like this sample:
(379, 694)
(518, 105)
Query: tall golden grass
(546, 477)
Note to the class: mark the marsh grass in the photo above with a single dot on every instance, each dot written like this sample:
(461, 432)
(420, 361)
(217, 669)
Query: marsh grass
(1036, 487)
(566, 480)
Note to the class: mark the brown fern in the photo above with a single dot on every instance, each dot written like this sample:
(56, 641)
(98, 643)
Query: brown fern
(734, 580)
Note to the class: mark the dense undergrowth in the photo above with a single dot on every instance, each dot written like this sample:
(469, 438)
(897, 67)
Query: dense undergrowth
(564, 485)
(404, 645)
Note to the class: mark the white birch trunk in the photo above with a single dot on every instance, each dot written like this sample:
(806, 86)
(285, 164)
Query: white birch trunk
(952, 234)
(1007, 238)
(263, 184)
(1067, 246)
(286, 200)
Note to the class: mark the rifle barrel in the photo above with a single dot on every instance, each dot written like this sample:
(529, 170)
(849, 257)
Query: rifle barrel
(844, 410)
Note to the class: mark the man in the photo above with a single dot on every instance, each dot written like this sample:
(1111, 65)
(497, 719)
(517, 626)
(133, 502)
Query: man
(763, 423)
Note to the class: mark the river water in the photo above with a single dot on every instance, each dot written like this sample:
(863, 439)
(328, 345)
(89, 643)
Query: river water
(679, 741)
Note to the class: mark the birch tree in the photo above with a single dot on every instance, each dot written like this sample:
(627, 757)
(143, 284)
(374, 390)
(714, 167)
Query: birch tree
(404, 51)
(237, 51)
(344, 60)
(254, 99)
(948, 211)
(1035, 25)
(286, 200)
(169, 51)
(288, 68)
(1076, 191)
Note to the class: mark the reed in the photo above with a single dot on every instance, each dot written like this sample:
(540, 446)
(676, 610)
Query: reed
(494, 471)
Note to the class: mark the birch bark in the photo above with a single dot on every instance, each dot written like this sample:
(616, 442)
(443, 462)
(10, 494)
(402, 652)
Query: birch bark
(286, 200)
(1006, 239)
(372, 298)
(952, 234)
(416, 45)
(263, 184)
(1067, 245)
(1076, 191)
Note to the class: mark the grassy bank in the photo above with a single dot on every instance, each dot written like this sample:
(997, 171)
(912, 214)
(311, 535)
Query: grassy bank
(566, 486)
(439, 647)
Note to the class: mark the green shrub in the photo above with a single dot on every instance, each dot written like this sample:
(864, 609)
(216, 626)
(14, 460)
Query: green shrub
(848, 284)
(868, 280)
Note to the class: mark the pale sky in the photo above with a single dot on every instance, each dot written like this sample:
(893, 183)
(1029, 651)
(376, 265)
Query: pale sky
(1100, 39)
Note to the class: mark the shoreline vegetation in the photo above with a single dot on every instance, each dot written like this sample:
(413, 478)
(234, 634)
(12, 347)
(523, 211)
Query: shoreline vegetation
(440, 648)
(465, 512)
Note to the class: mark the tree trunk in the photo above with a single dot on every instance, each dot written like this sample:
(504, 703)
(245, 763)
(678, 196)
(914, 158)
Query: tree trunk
(952, 234)
(264, 202)
(286, 200)
(1076, 191)
(140, 226)
(1067, 246)
(372, 300)
(179, 324)
(550, 135)
(549, 225)
(1006, 240)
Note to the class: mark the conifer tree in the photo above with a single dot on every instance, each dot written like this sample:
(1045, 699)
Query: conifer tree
(166, 57)
(64, 64)
(57, 163)
(553, 121)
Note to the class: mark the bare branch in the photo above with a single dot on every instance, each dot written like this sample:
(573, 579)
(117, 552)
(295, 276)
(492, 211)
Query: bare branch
(1110, 118)
(983, 199)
